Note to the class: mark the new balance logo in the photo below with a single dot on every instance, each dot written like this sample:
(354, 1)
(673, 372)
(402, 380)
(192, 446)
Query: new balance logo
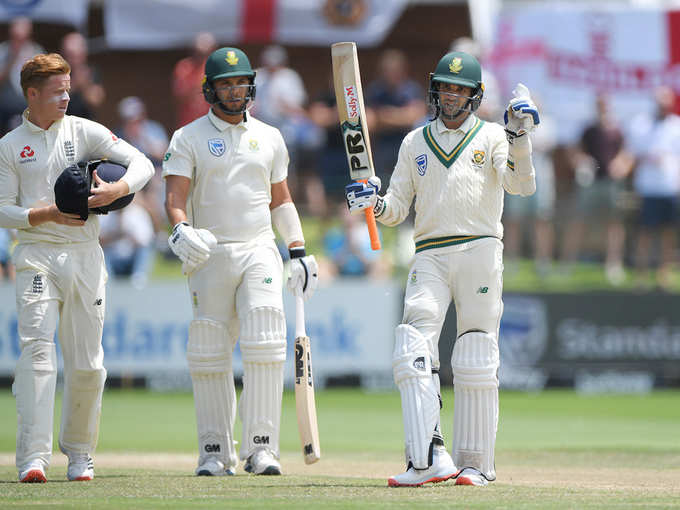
(482, 290)
(261, 439)
(211, 448)
(98, 302)
(309, 449)
(419, 363)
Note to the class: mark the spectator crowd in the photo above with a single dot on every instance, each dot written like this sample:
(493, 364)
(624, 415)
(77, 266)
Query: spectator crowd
(609, 199)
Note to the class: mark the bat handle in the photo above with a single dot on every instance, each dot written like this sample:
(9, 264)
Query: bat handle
(299, 316)
(372, 227)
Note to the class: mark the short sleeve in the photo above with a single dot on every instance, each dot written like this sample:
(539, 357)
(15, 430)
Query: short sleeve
(179, 158)
(280, 160)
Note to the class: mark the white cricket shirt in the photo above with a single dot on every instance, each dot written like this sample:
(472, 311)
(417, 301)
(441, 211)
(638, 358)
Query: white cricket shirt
(232, 168)
(31, 159)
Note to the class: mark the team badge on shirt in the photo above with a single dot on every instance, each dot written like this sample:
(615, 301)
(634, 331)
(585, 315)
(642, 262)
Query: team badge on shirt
(421, 161)
(216, 146)
(253, 145)
(478, 157)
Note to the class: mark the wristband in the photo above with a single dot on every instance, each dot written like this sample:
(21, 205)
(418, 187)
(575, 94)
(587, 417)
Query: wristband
(297, 252)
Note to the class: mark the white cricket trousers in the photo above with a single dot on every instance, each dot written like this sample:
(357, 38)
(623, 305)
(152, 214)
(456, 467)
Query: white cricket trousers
(64, 285)
(471, 275)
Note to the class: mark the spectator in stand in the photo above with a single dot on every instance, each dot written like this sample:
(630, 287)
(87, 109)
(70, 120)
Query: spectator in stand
(127, 238)
(87, 93)
(13, 53)
(6, 267)
(536, 211)
(655, 143)
(491, 108)
(398, 103)
(187, 78)
(602, 165)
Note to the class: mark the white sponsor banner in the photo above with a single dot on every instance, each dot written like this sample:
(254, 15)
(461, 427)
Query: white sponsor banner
(71, 12)
(160, 24)
(350, 323)
(568, 53)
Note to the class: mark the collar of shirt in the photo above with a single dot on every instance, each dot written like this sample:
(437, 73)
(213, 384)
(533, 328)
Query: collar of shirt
(222, 125)
(463, 128)
(37, 129)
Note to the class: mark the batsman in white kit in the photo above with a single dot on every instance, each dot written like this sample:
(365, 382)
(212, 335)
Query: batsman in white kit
(225, 185)
(60, 267)
(457, 168)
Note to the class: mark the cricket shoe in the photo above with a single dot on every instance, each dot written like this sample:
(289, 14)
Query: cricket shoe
(471, 476)
(213, 467)
(33, 473)
(442, 469)
(262, 462)
(80, 467)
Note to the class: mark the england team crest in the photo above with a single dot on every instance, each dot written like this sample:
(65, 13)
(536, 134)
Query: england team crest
(421, 161)
(216, 146)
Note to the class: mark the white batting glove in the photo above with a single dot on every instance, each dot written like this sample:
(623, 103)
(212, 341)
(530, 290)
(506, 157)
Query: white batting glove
(362, 195)
(304, 275)
(521, 115)
(191, 246)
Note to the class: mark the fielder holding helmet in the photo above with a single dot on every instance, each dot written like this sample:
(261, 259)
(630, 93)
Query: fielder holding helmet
(225, 185)
(457, 168)
(46, 194)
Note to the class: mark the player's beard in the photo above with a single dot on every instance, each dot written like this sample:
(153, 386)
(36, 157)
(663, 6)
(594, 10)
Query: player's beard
(227, 107)
(452, 112)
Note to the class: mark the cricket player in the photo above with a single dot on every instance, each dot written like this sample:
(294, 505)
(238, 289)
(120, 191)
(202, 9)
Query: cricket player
(457, 168)
(225, 185)
(60, 267)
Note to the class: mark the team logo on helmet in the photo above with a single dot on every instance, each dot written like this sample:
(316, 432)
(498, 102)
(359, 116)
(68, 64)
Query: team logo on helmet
(421, 161)
(456, 65)
(216, 146)
(231, 59)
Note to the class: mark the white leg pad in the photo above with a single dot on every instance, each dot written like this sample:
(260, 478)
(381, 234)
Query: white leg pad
(475, 363)
(81, 410)
(209, 354)
(412, 369)
(263, 349)
(35, 381)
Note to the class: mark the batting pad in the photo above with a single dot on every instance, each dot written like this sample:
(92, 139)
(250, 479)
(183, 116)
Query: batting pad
(35, 380)
(81, 410)
(263, 349)
(475, 363)
(209, 358)
(412, 369)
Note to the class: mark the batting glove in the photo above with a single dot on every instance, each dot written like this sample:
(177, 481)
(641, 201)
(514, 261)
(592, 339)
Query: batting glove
(521, 115)
(362, 195)
(304, 273)
(192, 246)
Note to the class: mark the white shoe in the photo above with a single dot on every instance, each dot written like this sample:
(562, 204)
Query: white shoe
(471, 476)
(262, 462)
(213, 467)
(80, 467)
(442, 469)
(34, 472)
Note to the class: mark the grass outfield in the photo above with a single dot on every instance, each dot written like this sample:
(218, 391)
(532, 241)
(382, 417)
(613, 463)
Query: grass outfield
(555, 449)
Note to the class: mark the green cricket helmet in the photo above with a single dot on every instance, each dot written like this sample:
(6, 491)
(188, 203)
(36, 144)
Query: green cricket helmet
(460, 69)
(226, 63)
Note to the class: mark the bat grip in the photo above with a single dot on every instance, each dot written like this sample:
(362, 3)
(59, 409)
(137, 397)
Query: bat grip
(372, 227)
(299, 316)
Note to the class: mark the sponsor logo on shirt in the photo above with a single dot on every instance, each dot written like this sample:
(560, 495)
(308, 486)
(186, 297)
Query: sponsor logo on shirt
(27, 155)
(421, 161)
(69, 150)
(167, 156)
(216, 146)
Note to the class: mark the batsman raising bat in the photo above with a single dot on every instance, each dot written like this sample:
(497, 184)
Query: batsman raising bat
(456, 168)
(225, 185)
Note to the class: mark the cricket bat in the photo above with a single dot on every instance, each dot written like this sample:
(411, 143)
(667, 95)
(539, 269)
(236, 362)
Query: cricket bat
(304, 388)
(350, 101)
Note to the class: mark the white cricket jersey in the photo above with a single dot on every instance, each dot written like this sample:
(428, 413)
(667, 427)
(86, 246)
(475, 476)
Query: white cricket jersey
(31, 159)
(232, 168)
(456, 176)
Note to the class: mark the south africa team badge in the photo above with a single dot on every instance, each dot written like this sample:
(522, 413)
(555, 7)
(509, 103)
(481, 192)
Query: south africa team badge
(216, 146)
(421, 161)
(478, 157)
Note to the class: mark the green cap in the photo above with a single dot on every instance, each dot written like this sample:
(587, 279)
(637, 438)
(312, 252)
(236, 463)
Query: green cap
(227, 62)
(460, 69)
